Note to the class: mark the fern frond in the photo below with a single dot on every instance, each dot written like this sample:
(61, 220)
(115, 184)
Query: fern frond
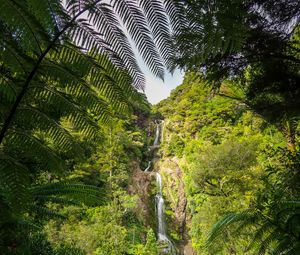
(7, 90)
(67, 192)
(282, 246)
(107, 22)
(135, 23)
(157, 19)
(44, 212)
(51, 127)
(277, 232)
(294, 250)
(260, 235)
(36, 151)
(56, 200)
(16, 13)
(14, 182)
(176, 14)
(248, 216)
(265, 243)
(28, 225)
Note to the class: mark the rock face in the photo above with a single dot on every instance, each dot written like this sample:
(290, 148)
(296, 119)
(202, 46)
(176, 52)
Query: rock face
(141, 185)
(175, 196)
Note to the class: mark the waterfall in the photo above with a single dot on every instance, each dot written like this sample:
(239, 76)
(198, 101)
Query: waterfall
(159, 201)
(160, 209)
(160, 204)
(156, 141)
(148, 167)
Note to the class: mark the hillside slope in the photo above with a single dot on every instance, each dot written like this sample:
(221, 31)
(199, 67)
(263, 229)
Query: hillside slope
(223, 149)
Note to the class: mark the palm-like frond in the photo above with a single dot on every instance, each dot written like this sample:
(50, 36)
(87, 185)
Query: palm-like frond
(55, 64)
(224, 37)
(13, 182)
(65, 66)
(213, 30)
(276, 232)
(40, 205)
(65, 193)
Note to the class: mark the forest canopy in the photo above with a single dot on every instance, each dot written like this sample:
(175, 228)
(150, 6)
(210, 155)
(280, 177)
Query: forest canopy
(76, 127)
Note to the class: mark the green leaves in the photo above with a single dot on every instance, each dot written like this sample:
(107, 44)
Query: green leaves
(275, 230)
(66, 67)
(14, 180)
(65, 193)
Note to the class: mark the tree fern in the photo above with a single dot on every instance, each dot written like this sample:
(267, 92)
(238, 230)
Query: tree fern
(54, 61)
(65, 66)
(39, 206)
(224, 37)
(274, 230)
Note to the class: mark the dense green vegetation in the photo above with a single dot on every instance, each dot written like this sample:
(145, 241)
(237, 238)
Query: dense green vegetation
(235, 164)
(75, 127)
(115, 227)
(69, 83)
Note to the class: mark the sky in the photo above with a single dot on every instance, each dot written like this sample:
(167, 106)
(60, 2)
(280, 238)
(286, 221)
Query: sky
(157, 90)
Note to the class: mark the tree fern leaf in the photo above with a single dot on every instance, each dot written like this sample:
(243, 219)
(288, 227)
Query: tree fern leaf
(56, 200)
(294, 250)
(227, 220)
(6, 89)
(158, 22)
(282, 246)
(14, 183)
(21, 139)
(260, 234)
(265, 243)
(75, 191)
(106, 21)
(19, 15)
(52, 128)
(28, 225)
(44, 212)
(42, 9)
(136, 24)
(174, 10)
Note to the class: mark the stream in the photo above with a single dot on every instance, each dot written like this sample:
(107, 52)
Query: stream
(159, 202)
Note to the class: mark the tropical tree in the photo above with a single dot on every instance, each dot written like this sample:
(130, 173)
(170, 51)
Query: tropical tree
(256, 43)
(65, 66)
(224, 37)
(276, 228)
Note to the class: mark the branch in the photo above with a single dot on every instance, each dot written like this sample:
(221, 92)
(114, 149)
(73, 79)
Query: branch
(34, 70)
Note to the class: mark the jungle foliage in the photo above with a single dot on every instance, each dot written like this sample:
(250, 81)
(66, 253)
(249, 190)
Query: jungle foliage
(67, 68)
(239, 172)
(256, 44)
(73, 120)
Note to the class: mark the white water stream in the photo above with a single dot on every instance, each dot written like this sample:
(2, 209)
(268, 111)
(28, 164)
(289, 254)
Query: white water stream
(148, 167)
(160, 205)
(156, 141)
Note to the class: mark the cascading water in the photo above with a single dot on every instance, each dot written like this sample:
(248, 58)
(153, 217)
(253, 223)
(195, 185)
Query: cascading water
(156, 135)
(155, 143)
(162, 131)
(148, 167)
(160, 209)
(160, 204)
